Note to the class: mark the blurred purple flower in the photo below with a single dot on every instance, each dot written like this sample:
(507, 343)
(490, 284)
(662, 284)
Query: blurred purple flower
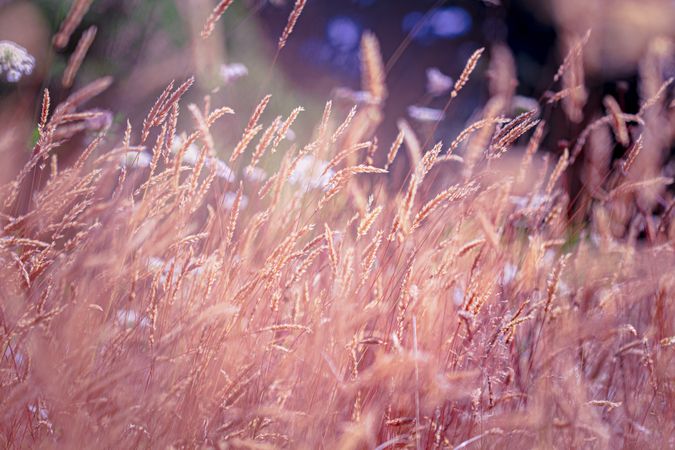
(343, 33)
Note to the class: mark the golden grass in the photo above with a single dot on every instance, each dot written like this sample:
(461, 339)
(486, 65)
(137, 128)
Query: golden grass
(140, 311)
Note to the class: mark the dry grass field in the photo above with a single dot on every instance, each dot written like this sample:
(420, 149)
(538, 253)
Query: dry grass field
(161, 289)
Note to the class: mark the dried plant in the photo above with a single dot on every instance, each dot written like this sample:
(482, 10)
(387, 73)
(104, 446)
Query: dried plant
(155, 297)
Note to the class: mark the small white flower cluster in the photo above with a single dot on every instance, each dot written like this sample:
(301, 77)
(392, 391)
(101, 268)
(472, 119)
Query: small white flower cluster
(358, 97)
(232, 72)
(135, 159)
(128, 318)
(255, 174)
(15, 61)
(424, 114)
(229, 199)
(309, 173)
(438, 83)
(191, 157)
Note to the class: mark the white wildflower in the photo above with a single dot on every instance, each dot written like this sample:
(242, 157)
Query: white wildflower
(414, 292)
(458, 295)
(135, 159)
(308, 173)
(290, 134)
(533, 201)
(155, 263)
(13, 354)
(509, 273)
(232, 72)
(15, 61)
(438, 83)
(255, 174)
(523, 104)
(424, 114)
(230, 197)
(191, 155)
(191, 158)
(222, 170)
(128, 318)
(358, 97)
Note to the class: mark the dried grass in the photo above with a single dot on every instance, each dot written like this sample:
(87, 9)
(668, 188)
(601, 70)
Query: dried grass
(138, 311)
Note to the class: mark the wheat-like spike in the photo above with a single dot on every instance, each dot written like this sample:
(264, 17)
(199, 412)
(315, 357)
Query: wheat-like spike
(44, 114)
(75, 60)
(343, 127)
(246, 139)
(466, 248)
(559, 168)
(453, 193)
(264, 142)
(77, 11)
(215, 15)
(84, 94)
(369, 255)
(332, 254)
(217, 114)
(203, 128)
(466, 132)
(573, 54)
(257, 112)
(126, 140)
(174, 98)
(430, 158)
(313, 244)
(411, 141)
(285, 126)
(290, 24)
(180, 154)
(306, 264)
(149, 120)
(362, 168)
(372, 67)
(554, 97)
(343, 154)
(189, 240)
(491, 235)
(197, 169)
(171, 129)
(286, 327)
(372, 149)
(583, 137)
(77, 117)
(656, 97)
(325, 117)
(54, 166)
(405, 210)
(632, 154)
(340, 179)
(404, 298)
(163, 105)
(466, 73)
(367, 221)
(82, 158)
(513, 125)
(629, 187)
(198, 196)
(156, 152)
(532, 147)
(501, 145)
(393, 150)
(618, 125)
(553, 280)
(234, 214)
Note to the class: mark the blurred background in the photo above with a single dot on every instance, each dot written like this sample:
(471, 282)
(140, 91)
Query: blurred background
(144, 44)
